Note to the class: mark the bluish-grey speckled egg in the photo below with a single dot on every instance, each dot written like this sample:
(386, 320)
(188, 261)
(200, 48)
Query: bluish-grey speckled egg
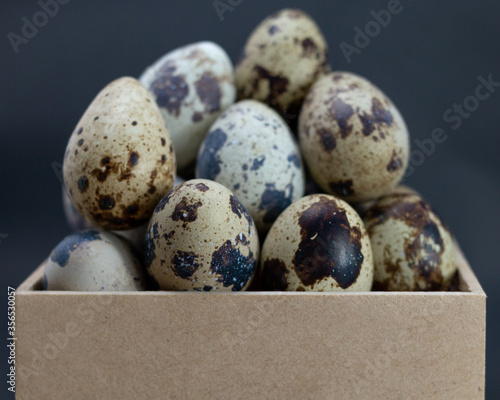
(251, 151)
(200, 237)
(93, 260)
(192, 85)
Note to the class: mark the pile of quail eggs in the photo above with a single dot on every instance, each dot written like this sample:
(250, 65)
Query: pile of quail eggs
(278, 174)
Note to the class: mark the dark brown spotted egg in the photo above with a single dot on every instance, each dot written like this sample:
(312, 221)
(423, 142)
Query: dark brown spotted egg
(282, 57)
(412, 248)
(353, 138)
(93, 260)
(192, 86)
(119, 161)
(201, 237)
(319, 243)
(251, 150)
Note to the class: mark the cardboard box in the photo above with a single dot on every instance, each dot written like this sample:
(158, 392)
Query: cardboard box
(252, 345)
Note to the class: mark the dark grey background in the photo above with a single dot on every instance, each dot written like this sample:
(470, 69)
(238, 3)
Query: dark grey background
(428, 58)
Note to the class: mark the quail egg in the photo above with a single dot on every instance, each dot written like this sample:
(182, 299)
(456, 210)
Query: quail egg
(201, 238)
(93, 260)
(319, 243)
(282, 57)
(353, 139)
(251, 151)
(119, 161)
(412, 247)
(192, 85)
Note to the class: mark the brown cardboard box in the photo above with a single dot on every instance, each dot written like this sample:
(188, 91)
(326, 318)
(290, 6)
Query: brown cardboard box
(253, 345)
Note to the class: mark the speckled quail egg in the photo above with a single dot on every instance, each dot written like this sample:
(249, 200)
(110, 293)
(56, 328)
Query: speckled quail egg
(119, 161)
(353, 139)
(412, 248)
(77, 222)
(282, 57)
(251, 151)
(192, 86)
(93, 260)
(201, 237)
(319, 243)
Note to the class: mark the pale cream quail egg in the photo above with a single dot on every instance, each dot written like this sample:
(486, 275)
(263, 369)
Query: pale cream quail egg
(353, 138)
(119, 161)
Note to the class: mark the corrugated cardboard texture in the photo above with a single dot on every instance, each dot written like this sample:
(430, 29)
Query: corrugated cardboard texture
(165, 345)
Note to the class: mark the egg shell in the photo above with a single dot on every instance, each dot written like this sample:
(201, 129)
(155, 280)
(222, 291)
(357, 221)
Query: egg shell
(93, 260)
(119, 161)
(281, 59)
(353, 138)
(251, 151)
(412, 248)
(192, 85)
(200, 237)
(319, 243)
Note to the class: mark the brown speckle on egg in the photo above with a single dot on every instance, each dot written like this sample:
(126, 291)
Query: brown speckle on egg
(342, 188)
(207, 88)
(276, 277)
(169, 88)
(83, 184)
